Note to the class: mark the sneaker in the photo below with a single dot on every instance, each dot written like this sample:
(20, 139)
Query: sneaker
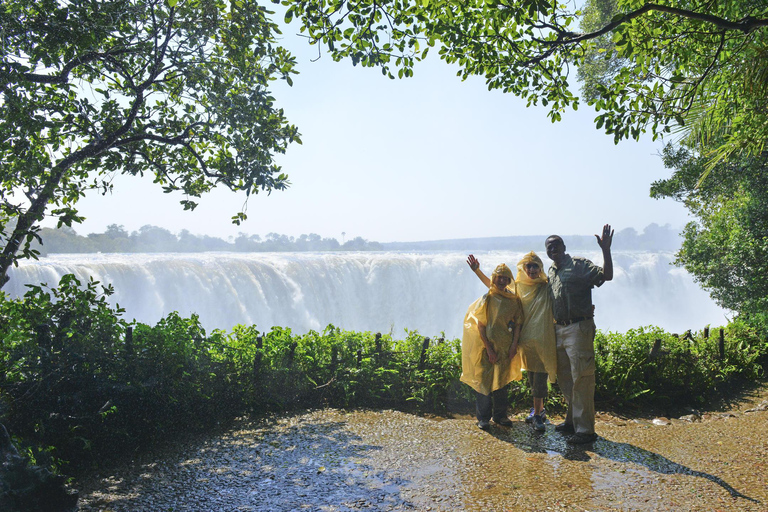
(504, 422)
(483, 425)
(543, 415)
(538, 423)
(582, 438)
(565, 428)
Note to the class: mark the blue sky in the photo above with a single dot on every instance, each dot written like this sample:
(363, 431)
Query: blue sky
(424, 158)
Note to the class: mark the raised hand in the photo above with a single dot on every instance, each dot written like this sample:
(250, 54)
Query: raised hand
(473, 262)
(607, 238)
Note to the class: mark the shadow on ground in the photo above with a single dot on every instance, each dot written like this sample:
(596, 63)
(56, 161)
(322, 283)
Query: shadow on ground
(263, 467)
(551, 442)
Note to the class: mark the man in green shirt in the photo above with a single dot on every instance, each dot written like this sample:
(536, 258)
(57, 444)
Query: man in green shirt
(571, 281)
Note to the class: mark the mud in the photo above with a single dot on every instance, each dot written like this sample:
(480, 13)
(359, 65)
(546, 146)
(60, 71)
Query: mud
(332, 460)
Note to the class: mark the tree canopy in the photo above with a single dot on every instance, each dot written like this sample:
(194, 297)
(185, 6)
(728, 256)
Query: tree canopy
(675, 62)
(725, 248)
(178, 90)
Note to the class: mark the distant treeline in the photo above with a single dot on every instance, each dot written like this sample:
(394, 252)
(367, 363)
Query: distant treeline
(155, 239)
(653, 238)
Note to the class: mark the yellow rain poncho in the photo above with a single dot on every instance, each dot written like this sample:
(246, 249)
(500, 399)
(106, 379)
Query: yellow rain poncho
(496, 309)
(537, 339)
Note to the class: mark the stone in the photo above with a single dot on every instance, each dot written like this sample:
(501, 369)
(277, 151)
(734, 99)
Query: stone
(762, 407)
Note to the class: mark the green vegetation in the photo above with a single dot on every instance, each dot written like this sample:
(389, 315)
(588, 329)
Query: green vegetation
(725, 248)
(699, 65)
(679, 372)
(72, 379)
(178, 91)
(78, 383)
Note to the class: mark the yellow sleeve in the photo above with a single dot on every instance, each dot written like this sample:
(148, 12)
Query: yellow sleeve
(481, 310)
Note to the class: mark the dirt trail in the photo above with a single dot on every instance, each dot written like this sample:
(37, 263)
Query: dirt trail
(333, 460)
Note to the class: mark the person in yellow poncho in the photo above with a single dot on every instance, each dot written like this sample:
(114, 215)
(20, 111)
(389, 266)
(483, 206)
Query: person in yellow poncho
(489, 358)
(538, 350)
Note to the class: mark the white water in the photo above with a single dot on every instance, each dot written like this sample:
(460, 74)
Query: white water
(367, 291)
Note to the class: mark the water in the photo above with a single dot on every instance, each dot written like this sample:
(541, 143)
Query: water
(367, 291)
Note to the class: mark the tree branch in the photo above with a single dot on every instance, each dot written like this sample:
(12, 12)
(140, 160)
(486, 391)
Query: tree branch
(745, 25)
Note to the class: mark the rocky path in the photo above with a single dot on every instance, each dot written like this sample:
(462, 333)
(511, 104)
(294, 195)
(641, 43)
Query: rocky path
(333, 460)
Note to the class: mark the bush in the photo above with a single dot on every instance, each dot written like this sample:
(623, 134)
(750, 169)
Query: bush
(78, 383)
(685, 371)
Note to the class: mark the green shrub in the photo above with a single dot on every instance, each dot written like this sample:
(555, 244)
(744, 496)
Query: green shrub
(685, 371)
(77, 379)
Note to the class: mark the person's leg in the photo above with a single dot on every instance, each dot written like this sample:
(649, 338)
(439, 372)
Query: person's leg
(483, 407)
(539, 390)
(534, 382)
(564, 377)
(531, 383)
(583, 373)
(500, 402)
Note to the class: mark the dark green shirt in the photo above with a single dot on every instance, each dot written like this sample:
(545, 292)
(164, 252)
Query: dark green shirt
(571, 287)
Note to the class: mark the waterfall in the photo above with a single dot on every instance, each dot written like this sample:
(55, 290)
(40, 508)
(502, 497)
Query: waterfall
(365, 291)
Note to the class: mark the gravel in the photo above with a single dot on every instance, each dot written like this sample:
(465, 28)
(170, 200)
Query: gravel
(334, 460)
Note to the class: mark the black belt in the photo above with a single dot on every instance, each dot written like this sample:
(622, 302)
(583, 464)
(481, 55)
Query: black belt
(572, 320)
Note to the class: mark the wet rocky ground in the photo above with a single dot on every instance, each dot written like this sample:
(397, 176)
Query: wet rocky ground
(332, 460)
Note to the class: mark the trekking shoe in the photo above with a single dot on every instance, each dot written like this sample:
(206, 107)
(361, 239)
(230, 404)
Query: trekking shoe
(582, 438)
(504, 422)
(543, 415)
(538, 424)
(565, 428)
(483, 425)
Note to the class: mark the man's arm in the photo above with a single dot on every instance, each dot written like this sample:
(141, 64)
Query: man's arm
(605, 245)
(474, 264)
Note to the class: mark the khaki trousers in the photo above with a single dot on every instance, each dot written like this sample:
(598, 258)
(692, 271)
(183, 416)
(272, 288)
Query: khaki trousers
(576, 373)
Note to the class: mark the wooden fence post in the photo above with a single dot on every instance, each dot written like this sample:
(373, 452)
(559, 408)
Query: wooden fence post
(359, 357)
(656, 349)
(128, 353)
(721, 344)
(423, 358)
(706, 333)
(258, 356)
(378, 344)
(129, 342)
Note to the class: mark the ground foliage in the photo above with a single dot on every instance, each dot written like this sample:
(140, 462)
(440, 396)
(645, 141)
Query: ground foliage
(76, 387)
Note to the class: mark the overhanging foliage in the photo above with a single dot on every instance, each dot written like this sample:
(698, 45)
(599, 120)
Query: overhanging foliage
(677, 61)
(92, 89)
